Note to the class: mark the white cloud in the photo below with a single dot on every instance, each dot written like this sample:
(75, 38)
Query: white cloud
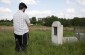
(38, 13)
(4, 10)
(60, 14)
(82, 2)
(70, 10)
(82, 10)
(8, 17)
(5, 13)
(70, 13)
(67, 1)
(30, 2)
(6, 1)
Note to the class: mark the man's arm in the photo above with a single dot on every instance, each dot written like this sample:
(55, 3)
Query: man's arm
(27, 20)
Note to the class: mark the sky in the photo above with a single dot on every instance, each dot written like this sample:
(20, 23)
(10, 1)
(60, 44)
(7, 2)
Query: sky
(44, 8)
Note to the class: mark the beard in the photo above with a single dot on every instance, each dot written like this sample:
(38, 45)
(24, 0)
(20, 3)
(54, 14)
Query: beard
(24, 10)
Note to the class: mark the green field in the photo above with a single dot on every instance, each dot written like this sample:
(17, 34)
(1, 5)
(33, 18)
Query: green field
(39, 43)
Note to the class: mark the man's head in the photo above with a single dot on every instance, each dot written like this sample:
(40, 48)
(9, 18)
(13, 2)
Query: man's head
(22, 6)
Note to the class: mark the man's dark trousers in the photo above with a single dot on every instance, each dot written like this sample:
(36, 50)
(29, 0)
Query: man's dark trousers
(21, 41)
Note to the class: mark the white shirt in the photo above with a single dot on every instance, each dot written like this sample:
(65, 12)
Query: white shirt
(20, 21)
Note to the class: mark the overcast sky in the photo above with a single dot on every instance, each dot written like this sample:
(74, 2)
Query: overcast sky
(43, 8)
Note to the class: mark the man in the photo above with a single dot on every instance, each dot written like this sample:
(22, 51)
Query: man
(21, 30)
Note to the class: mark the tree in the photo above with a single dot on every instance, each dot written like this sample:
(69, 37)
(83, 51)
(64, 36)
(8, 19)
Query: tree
(49, 20)
(33, 20)
(65, 22)
(76, 21)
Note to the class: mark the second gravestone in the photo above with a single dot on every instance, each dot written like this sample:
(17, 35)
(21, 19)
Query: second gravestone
(57, 33)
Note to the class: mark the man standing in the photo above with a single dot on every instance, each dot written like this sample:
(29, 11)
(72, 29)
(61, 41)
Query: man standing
(21, 30)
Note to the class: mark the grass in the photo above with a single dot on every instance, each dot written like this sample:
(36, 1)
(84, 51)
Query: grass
(39, 44)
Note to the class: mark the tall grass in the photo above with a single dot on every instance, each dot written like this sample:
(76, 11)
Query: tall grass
(39, 44)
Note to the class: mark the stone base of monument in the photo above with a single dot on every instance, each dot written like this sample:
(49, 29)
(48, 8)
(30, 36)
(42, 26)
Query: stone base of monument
(69, 39)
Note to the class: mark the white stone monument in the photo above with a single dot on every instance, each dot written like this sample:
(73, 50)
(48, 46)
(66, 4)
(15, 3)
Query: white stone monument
(57, 33)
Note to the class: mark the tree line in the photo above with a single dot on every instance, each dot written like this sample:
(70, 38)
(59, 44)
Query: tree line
(6, 22)
(47, 21)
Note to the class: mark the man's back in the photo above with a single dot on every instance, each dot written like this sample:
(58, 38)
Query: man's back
(19, 21)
